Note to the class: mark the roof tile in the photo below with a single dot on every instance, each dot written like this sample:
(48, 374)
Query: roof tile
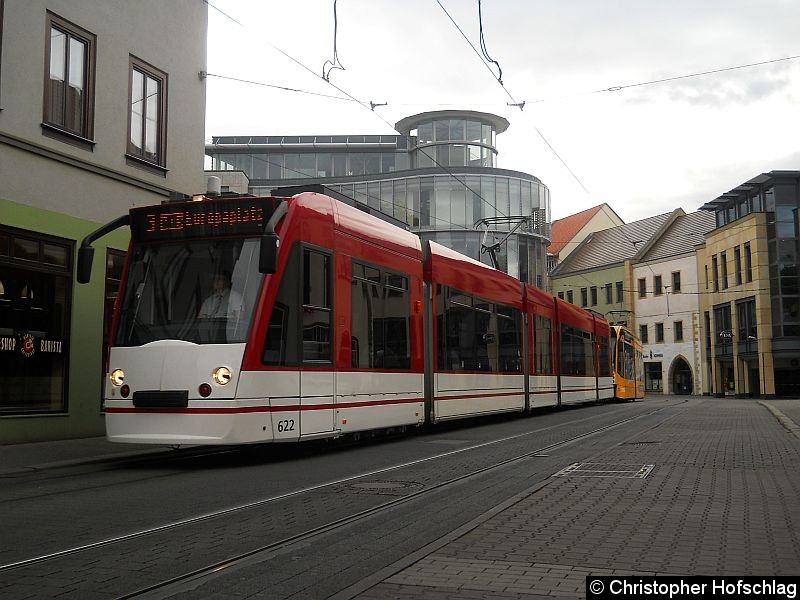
(563, 230)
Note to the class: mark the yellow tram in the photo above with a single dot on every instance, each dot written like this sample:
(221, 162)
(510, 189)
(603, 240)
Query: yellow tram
(627, 364)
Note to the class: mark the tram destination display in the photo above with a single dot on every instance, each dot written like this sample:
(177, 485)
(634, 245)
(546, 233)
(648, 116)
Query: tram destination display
(207, 218)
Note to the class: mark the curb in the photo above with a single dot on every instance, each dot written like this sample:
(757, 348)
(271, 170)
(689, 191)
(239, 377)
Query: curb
(790, 425)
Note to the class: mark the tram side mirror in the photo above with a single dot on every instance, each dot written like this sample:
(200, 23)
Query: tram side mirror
(85, 257)
(268, 256)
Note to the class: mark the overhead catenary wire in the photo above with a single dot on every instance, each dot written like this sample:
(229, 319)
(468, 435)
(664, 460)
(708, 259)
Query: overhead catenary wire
(487, 105)
(484, 51)
(278, 87)
(331, 65)
(538, 131)
(474, 49)
(370, 106)
(617, 88)
(514, 101)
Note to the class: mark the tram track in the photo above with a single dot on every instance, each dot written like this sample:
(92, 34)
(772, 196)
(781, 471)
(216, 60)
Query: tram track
(309, 489)
(195, 577)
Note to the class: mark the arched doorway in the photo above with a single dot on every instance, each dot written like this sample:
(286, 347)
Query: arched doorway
(682, 383)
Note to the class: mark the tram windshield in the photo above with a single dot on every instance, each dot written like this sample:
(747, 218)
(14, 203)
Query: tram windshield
(201, 291)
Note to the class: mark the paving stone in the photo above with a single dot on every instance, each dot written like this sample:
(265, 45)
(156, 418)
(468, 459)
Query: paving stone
(722, 499)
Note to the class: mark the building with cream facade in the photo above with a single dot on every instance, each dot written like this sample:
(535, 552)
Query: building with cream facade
(750, 301)
(667, 307)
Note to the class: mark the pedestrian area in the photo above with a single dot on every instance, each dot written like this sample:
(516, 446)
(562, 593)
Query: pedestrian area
(722, 498)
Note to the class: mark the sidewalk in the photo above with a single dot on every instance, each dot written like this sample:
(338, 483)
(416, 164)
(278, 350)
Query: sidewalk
(18, 458)
(721, 500)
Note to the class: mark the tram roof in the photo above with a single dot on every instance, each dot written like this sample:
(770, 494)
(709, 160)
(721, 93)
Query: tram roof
(456, 270)
(353, 221)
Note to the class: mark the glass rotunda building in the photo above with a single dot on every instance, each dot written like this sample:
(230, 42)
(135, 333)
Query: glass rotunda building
(439, 177)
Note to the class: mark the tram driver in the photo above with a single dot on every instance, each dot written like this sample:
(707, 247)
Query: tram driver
(223, 301)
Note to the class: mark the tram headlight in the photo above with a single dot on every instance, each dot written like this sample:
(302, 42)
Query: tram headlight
(117, 377)
(221, 375)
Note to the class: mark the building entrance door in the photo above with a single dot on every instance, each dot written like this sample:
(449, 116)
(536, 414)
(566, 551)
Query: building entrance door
(681, 378)
(755, 382)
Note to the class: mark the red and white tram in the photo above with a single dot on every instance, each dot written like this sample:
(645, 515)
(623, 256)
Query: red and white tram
(246, 320)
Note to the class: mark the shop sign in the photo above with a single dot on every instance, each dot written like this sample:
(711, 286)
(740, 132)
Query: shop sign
(28, 345)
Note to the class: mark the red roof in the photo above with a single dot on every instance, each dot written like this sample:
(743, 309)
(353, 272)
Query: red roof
(563, 230)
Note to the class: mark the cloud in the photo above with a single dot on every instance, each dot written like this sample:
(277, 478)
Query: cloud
(719, 90)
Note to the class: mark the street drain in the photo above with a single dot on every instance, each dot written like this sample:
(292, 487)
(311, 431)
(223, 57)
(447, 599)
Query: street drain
(619, 471)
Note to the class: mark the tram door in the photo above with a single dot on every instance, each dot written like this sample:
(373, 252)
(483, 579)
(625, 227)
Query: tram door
(316, 402)
(316, 375)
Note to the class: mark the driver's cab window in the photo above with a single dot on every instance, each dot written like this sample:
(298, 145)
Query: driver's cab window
(300, 324)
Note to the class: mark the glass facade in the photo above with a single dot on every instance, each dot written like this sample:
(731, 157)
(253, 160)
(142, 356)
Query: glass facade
(439, 177)
(777, 194)
(274, 165)
(441, 209)
(453, 142)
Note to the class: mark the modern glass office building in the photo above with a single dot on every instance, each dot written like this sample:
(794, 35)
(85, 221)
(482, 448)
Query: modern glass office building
(439, 177)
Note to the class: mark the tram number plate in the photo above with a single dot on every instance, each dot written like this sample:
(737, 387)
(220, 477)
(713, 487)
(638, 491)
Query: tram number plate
(161, 399)
(285, 425)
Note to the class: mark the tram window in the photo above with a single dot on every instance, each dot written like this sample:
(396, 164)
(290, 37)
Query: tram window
(380, 319)
(605, 368)
(509, 349)
(316, 306)
(627, 360)
(477, 335)
(397, 281)
(543, 352)
(462, 299)
(482, 305)
(307, 306)
(613, 350)
(467, 337)
(281, 344)
(577, 352)
(316, 279)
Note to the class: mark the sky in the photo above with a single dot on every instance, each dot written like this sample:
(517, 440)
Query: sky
(643, 149)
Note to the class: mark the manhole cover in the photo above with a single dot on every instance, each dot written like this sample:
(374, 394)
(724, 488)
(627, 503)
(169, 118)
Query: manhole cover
(620, 471)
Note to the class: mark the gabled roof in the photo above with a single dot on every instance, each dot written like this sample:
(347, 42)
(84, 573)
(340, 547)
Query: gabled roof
(563, 230)
(616, 244)
(686, 232)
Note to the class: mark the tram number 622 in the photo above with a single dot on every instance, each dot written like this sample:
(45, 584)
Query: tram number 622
(286, 425)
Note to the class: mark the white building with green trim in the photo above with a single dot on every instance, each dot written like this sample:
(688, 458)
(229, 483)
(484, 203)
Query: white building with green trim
(101, 109)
